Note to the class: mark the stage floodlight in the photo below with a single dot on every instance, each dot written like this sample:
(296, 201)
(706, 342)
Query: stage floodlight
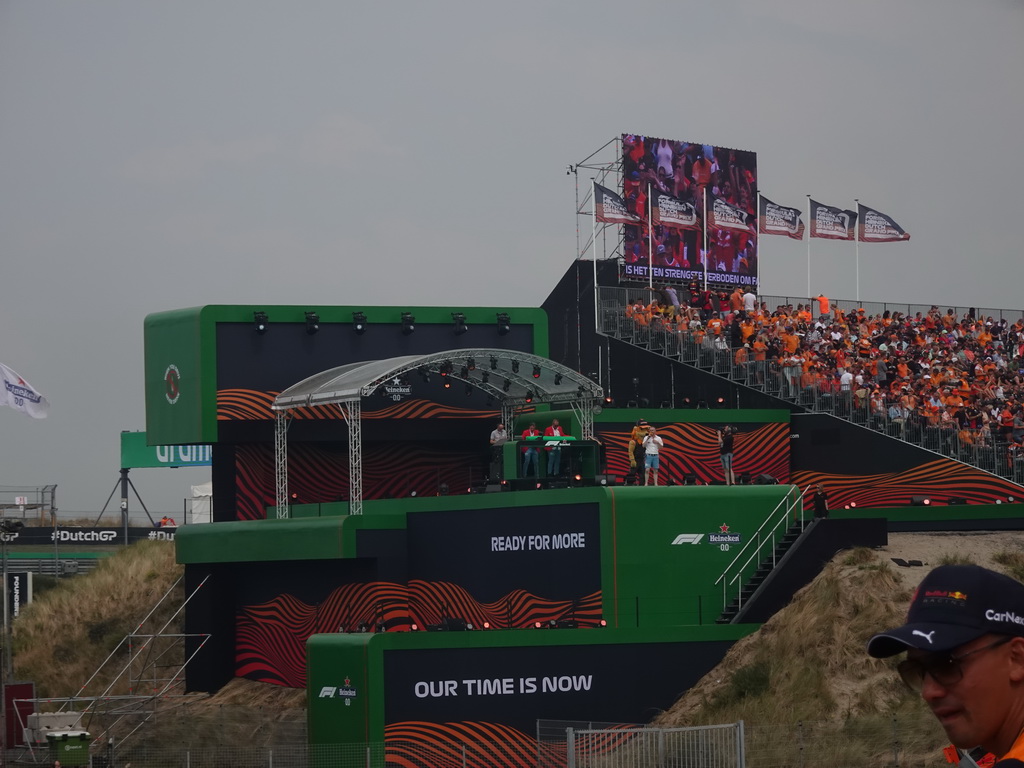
(536, 371)
(425, 375)
(408, 323)
(262, 322)
(920, 501)
(558, 379)
(447, 383)
(414, 627)
(471, 363)
(359, 322)
(529, 396)
(312, 323)
(464, 372)
(485, 377)
(504, 323)
(515, 366)
(494, 363)
(507, 385)
(459, 326)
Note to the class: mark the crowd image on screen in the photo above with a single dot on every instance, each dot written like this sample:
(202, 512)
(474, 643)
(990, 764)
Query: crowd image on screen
(952, 381)
(689, 172)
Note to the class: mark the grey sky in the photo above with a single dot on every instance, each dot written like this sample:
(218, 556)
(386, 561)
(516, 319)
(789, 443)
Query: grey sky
(158, 155)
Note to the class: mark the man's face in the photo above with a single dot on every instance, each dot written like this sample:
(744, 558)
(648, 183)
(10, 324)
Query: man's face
(974, 710)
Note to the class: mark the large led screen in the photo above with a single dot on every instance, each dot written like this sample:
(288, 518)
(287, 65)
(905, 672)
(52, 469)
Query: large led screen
(686, 188)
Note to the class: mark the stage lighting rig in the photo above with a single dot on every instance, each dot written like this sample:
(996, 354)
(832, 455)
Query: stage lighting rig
(312, 323)
(504, 324)
(515, 366)
(408, 323)
(536, 371)
(262, 322)
(494, 363)
(459, 326)
(359, 322)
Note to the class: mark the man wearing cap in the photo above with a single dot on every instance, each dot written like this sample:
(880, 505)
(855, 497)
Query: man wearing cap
(964, 638)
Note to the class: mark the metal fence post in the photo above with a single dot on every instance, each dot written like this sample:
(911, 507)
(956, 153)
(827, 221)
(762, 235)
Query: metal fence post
(895, 742)
(570, 748)
(741, 746)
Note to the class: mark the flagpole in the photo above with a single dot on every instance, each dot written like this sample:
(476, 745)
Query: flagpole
(650, 241)
(856, 241)
(809, 224)
(705, 237)
(757, 234)
(593, 244)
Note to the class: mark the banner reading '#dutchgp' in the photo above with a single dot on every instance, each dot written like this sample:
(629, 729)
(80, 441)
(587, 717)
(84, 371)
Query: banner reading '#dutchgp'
(688, 184)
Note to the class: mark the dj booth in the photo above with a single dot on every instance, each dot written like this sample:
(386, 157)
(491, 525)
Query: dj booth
(577, 458)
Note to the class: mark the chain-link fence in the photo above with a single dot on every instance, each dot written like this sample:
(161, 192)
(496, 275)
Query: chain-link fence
(905, 741)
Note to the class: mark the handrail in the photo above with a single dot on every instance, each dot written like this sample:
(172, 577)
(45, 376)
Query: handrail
(789, 504)
(715, 354)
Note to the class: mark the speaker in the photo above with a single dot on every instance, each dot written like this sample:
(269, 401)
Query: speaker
(765, 479)
(920, 501)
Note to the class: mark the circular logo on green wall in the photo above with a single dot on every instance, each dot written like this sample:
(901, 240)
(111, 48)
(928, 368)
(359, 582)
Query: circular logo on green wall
(172, 383)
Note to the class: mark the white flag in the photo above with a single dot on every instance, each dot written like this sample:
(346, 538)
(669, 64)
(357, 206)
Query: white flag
(20, 395)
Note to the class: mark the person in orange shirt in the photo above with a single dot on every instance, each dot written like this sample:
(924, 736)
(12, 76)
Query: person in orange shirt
(822, 304)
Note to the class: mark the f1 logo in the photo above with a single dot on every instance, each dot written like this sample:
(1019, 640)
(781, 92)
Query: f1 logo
(688, 538)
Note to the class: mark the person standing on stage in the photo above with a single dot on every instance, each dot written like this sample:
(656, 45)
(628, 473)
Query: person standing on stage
(636, 449)
(554, 452)
(726, 438)
(530, 452)
(652, 445)
(499, 436)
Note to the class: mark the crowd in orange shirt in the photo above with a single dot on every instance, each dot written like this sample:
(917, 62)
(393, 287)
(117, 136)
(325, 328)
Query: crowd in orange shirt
(935, 370)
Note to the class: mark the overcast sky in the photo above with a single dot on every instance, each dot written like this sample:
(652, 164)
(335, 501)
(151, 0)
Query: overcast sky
(160, 155)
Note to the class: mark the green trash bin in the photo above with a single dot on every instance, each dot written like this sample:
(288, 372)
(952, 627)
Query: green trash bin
(70, 747)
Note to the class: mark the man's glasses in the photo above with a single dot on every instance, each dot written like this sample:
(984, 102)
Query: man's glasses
(944, 670)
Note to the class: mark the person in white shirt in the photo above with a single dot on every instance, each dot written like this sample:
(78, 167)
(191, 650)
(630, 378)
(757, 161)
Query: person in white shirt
(652, 446)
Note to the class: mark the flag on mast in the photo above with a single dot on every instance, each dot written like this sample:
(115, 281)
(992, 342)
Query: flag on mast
(611, 208)
(774, 219)
(21, 396)
(672, 212)
(722, 215)
(875, 227)
(832, 223)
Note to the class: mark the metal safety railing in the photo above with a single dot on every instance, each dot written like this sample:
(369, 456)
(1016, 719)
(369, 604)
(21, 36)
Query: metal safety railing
(761, 547)
(722, 356)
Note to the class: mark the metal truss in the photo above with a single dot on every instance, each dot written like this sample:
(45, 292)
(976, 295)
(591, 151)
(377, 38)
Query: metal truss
(353, 413)
(281, 464)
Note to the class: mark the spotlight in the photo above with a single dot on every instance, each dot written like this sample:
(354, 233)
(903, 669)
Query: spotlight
(358, 322)
(425, 375)
(487, 625)
(666, 404)
(447, 384)
(469, 390)
(471, 364)
(464, 372)
(558, 379)
(459, 326)
(414, 627)
(507, 385)
(537, 625)
(504, 325)
(515, 366)
(261, 320)
(485, 377)
(529, 396)
(920, 501)
(536, 371)
(720, 401)
(312, 323)
(408, 323)
(609, 402)
(494, 363)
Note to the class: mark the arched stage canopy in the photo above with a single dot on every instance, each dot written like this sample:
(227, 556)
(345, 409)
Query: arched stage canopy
(514, 379)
